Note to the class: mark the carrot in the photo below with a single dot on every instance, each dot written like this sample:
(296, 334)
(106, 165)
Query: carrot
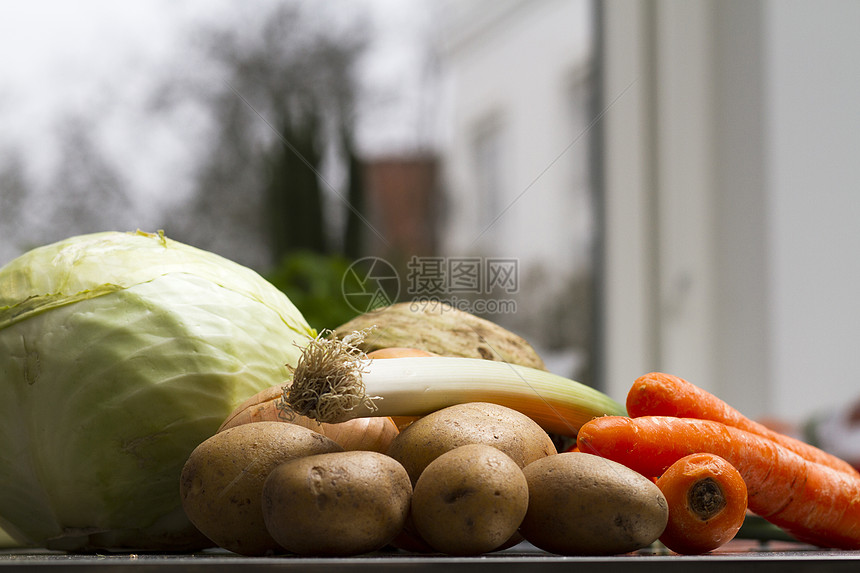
(659, 394)
(707, 500)
(814, 503)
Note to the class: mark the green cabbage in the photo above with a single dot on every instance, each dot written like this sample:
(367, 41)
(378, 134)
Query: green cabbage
(119, 353)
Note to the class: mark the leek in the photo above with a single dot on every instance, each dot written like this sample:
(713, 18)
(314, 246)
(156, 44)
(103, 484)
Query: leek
(334, 381)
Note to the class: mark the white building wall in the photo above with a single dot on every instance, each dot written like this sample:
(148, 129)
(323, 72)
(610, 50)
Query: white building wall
(516, 74)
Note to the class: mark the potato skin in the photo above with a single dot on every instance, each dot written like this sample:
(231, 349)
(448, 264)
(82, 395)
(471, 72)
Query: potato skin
(582, 504)
(222, 481)
(470, 500)
(508, 430)
(336, 504)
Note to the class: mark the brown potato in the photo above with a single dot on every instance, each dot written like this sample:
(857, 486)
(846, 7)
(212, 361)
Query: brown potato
(222, 481)
(582, 504)
(338, 504)
(512, 432)
(470, 500)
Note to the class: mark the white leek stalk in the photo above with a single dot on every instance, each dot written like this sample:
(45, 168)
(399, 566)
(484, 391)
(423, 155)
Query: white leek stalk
(334, 382)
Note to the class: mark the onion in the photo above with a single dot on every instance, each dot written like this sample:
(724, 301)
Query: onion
(373, 434)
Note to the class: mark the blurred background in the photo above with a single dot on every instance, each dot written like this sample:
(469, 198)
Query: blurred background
(670, 185)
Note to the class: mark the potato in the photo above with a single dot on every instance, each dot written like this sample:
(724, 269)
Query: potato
(336, 504)
(512, 432)
(222, 481)
(470, 500)
(582, 504)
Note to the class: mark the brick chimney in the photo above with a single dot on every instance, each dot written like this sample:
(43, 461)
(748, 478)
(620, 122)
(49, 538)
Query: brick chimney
(402, 204)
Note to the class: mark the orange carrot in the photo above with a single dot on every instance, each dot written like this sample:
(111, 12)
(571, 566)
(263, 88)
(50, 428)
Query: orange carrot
(659, 394)
(814, 503)
(707, 500)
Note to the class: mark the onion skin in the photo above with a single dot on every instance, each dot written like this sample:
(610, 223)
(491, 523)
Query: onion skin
(372, 434)
(258, 408)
